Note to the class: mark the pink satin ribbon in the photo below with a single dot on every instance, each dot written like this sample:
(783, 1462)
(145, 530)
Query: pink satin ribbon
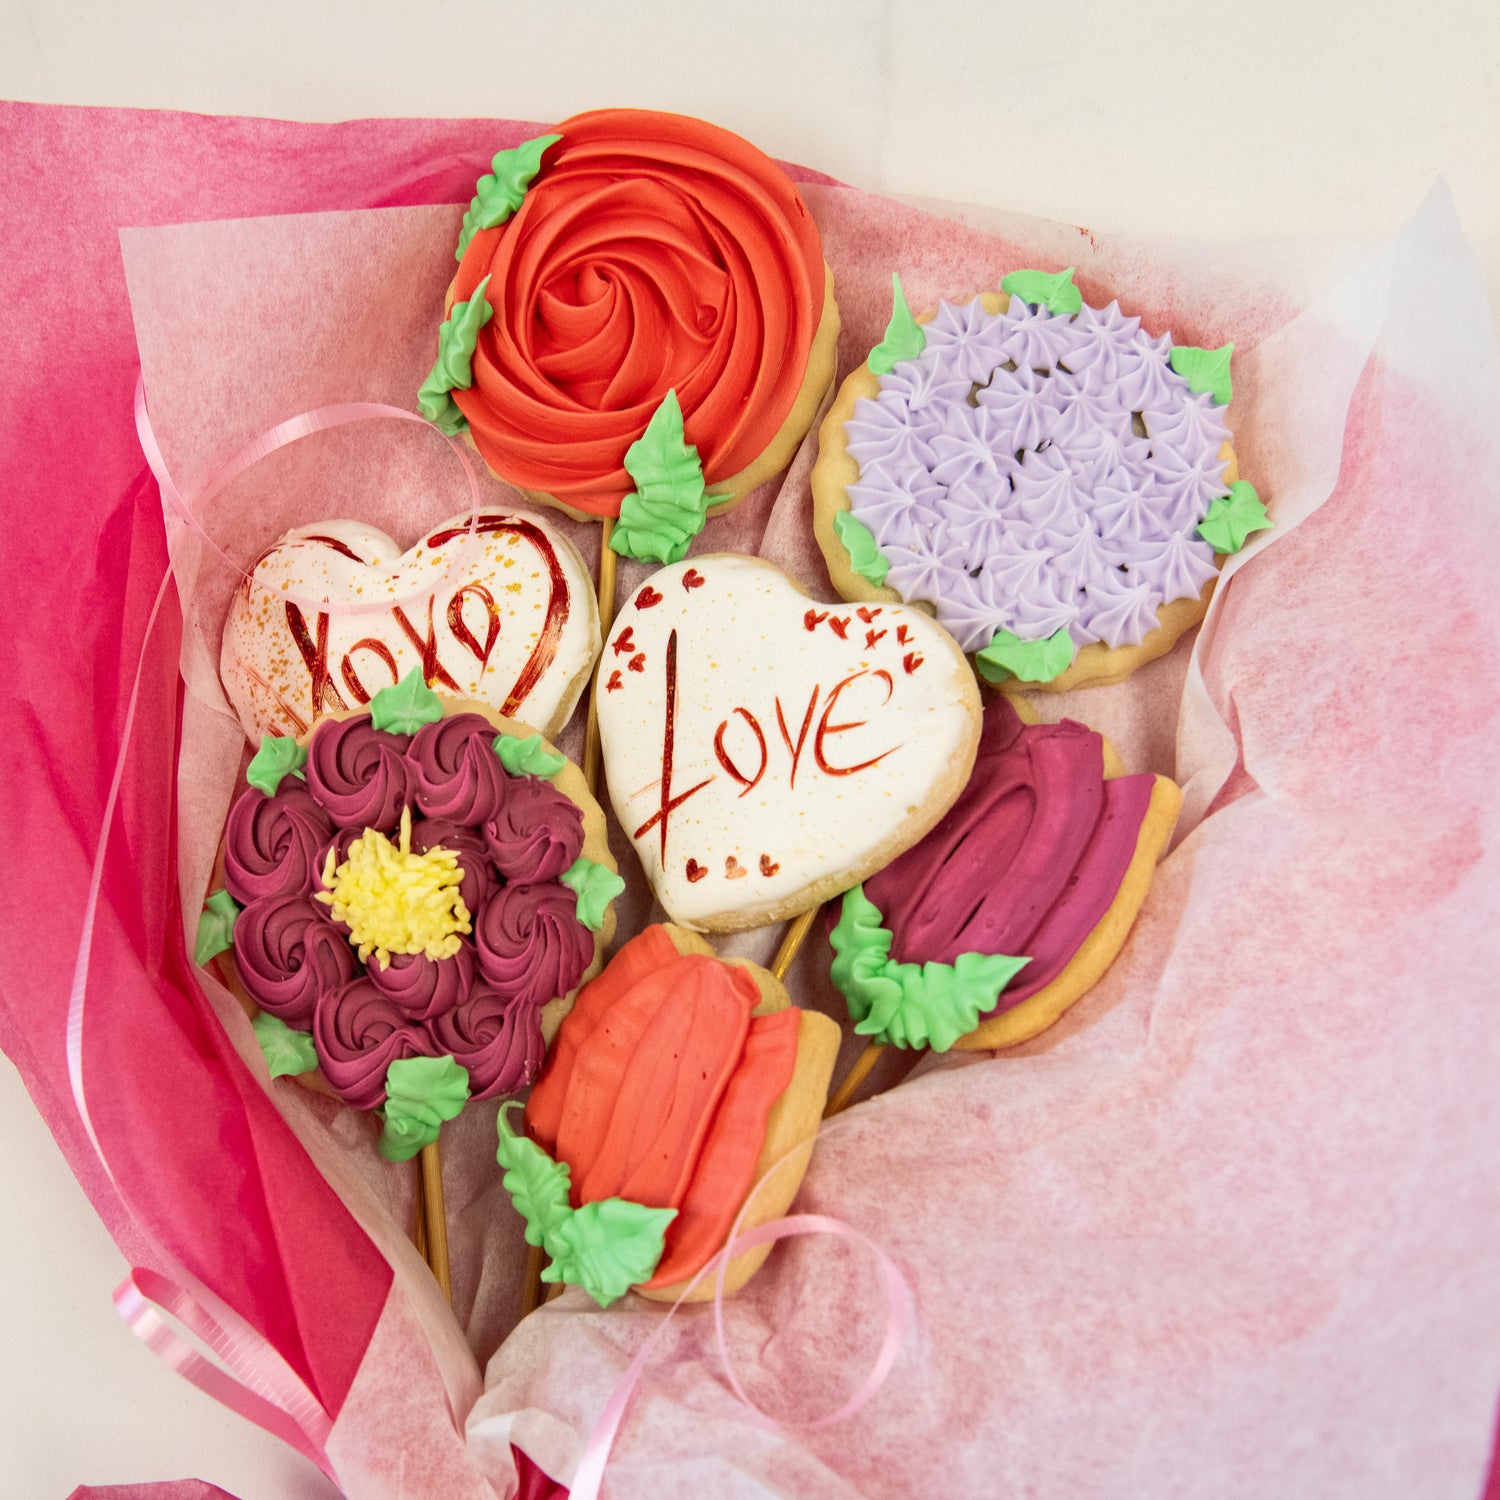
(250, 1377)
(257, 1383)
(305, 424)
(589, 1474)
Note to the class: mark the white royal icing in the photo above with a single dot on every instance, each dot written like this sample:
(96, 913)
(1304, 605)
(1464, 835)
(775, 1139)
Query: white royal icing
(512, 622)
(797, 753)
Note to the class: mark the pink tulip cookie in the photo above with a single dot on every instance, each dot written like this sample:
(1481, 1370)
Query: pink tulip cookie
(764, 751)
(511, 623)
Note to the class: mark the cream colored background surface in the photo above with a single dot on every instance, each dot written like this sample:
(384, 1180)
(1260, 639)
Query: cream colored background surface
(1264, 119)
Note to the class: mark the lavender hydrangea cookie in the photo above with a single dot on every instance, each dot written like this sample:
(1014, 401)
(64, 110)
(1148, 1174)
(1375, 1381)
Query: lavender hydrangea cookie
(1054, 483)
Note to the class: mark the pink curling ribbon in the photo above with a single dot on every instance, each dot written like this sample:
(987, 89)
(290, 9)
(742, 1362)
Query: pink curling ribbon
(254, 1380)
(321, 419)
(258, 1383)
(589, 1474)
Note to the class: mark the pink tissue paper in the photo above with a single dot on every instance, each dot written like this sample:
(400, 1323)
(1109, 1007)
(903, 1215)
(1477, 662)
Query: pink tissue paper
(1230, 1224)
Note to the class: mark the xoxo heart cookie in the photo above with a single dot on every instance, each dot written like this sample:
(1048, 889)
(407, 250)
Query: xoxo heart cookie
(764, 751)
(506, 617)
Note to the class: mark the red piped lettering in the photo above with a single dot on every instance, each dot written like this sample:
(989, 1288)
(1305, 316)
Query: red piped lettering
(825, 728)
(796, 750)
(748, 782)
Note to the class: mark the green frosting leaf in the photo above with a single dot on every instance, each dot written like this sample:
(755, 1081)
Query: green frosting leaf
(420, 1093)
(215, 927)
(279, 756)
(1204, 369)
(538, 1186)
(910, 1005)
(668, 507)
(1008, 655)
(1232, 518)
(406, 706)
(904, 338)
(287, 1052)
(498, 194)
(458, 337)
(605, 1247)
(1054, 292)
(595, 886)
(865, 556)
(527, 755)
(608, 1246)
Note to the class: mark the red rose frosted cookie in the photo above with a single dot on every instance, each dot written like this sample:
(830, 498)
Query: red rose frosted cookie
(512, 622)
(636, 271)
(764, 751)
(677, 1084)
(412, 897)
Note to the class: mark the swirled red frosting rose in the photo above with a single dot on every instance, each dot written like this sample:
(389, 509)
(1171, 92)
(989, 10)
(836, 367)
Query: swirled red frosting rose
(652, 253)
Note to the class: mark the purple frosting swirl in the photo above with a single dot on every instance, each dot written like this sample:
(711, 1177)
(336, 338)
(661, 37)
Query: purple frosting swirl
(273, 845)
(531, 944)
(538, 833)
(481, 879)
(498, 1040)
(458, 774)
(359, 774)
(359, 1033)
(424, 987)
(289, 955)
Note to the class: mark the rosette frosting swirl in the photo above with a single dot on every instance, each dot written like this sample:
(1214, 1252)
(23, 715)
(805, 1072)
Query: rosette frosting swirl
(359, 1032)
(425, 987)
(530, 943)
(359, 774)
(497, 1038)
(457, 773)
(273, 845)
(537, 834)
(481, 879)
(288, 954)
(651, 253)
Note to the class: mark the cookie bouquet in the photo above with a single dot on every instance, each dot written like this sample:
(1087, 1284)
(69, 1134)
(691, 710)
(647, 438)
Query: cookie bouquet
(1143, 1202)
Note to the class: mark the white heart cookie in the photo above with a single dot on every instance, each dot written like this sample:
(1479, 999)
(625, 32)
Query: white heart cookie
(513, 621)
(764, 752)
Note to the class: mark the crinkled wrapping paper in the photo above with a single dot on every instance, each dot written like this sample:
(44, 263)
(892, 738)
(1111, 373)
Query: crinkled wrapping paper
(1231, 1223)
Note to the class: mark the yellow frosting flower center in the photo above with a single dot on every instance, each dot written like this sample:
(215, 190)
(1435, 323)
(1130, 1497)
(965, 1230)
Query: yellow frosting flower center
(394, 901)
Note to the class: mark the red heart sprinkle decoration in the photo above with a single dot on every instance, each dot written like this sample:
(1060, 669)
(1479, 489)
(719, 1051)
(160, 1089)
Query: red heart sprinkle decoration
(813, 617)
(624, 642)
(695, 871)
(693, 579)
(903, 634)
(733, 869)
(872, 636)
(613, 683)
(838, 624)
(911, 661)
(766, 866)
(637, 663)
(866, 614)
(647, 597)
